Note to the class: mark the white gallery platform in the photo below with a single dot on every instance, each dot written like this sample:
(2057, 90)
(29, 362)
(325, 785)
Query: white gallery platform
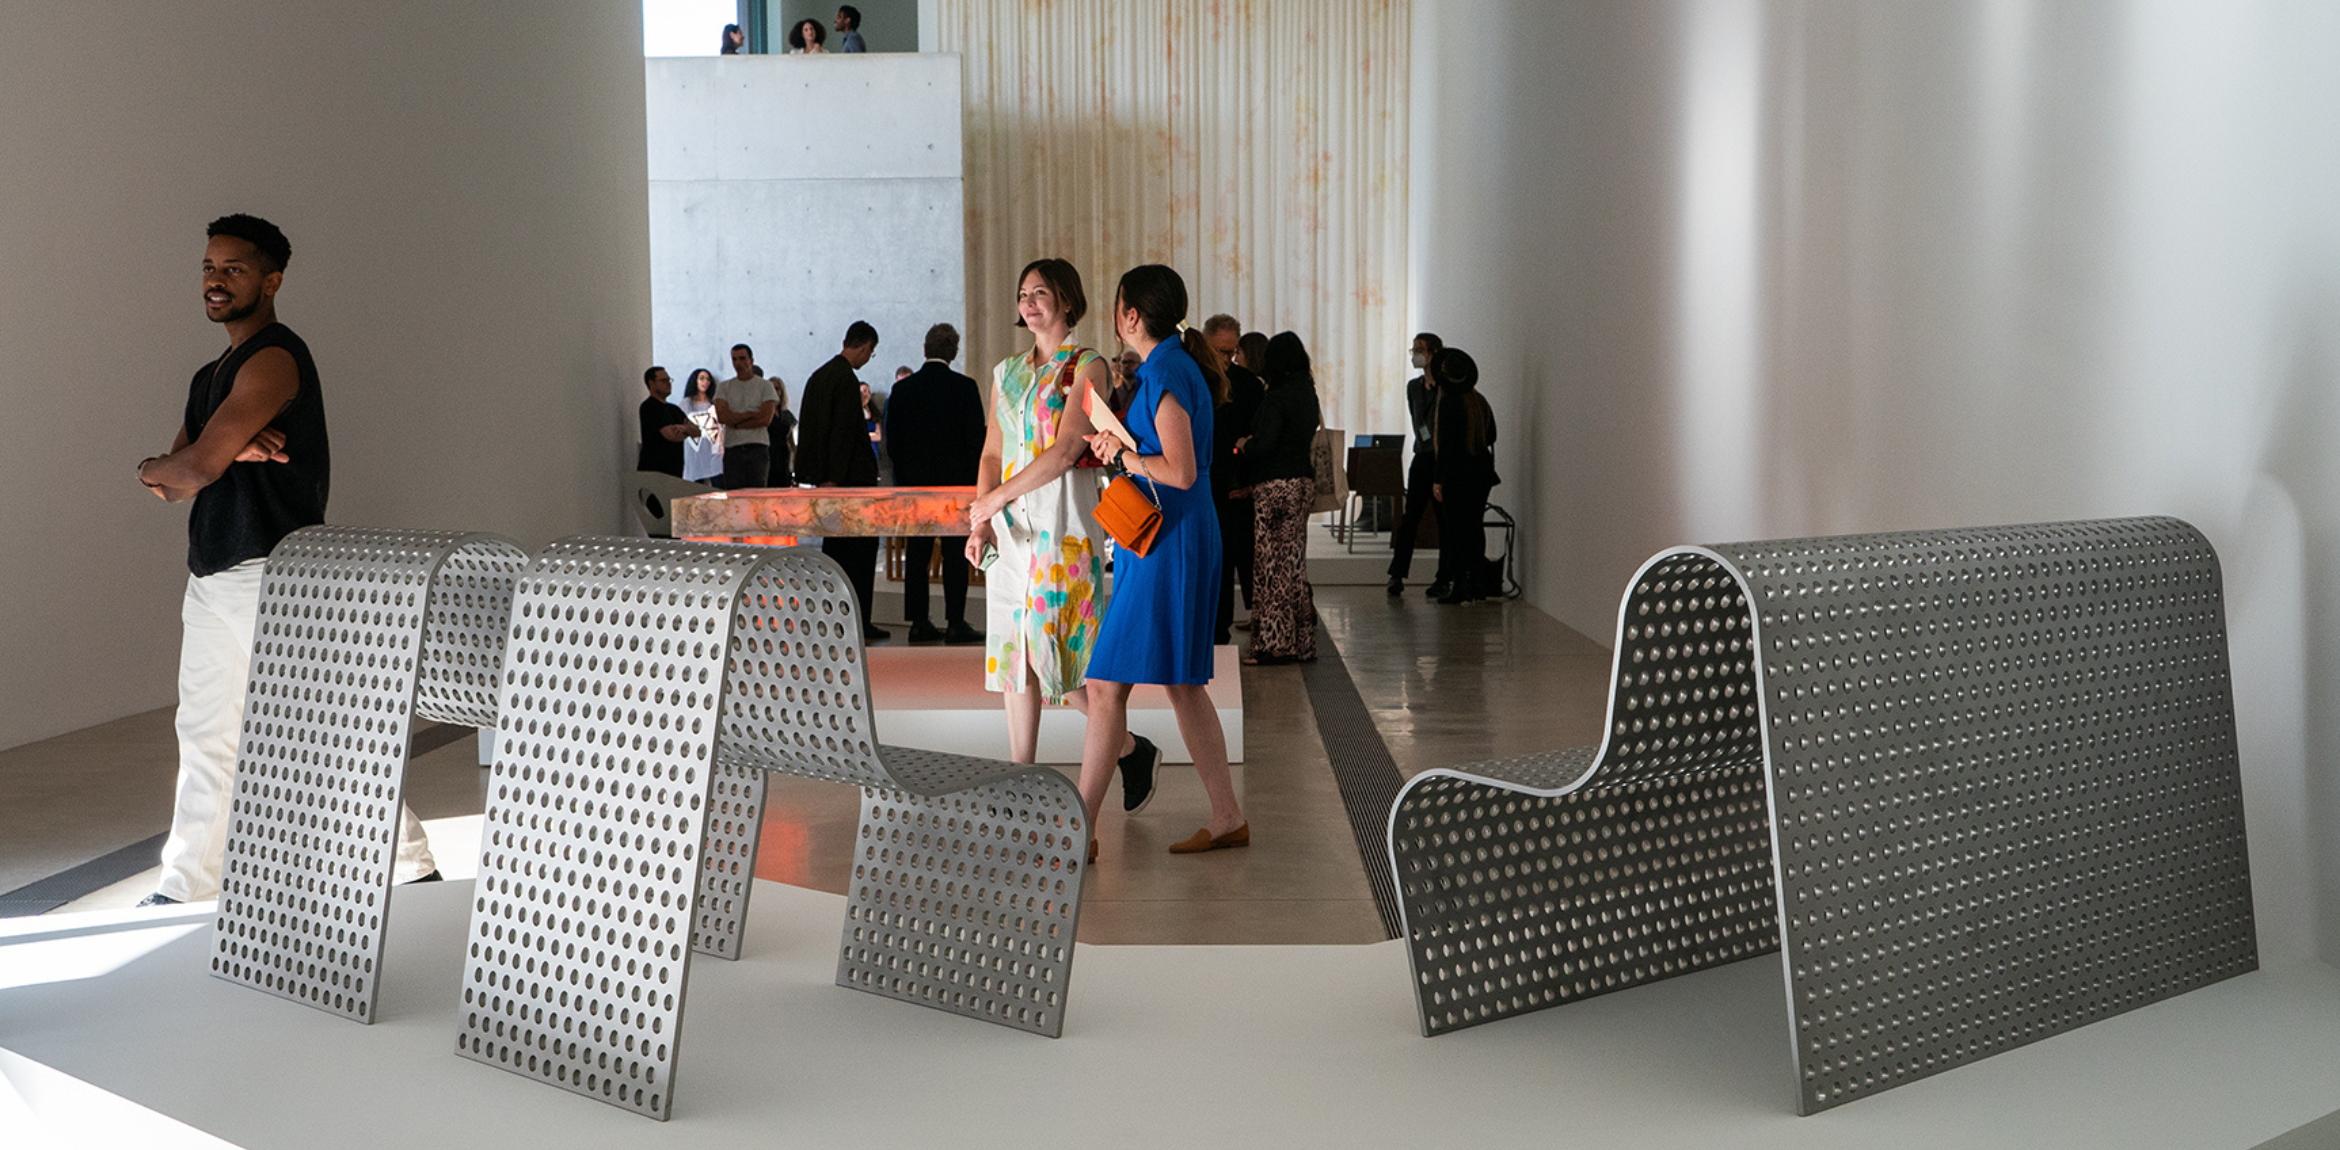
(116, 1035)
(932, 699)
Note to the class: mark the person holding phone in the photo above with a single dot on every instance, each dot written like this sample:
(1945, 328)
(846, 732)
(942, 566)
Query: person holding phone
(1033, 525)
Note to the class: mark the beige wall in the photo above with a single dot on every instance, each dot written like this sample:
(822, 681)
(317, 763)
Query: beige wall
(1744, 270)
(462, 184)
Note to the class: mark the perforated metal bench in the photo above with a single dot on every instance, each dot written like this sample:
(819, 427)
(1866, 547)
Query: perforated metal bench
(360, 632)
(1979, 787)
(648, 688)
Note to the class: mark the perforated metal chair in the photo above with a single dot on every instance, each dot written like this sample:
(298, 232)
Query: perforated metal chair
(649, 687)
(360, 632)
(1978, 787)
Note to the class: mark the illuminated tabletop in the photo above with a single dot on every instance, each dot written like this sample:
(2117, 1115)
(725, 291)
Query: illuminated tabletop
(780, 515)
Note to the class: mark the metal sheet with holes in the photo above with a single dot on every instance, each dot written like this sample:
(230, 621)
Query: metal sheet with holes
(2008, 798)
(1536, 881)
(469, 612)
(2002, 767)
(578, 949)
(648, 686)
(969, 902)
(798, 702)
(346, 618)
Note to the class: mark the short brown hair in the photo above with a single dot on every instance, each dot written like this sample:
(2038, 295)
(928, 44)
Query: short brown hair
(1062, 279)
(942, 342)
(1221, 322)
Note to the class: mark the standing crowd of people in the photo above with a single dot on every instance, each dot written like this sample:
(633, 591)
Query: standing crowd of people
(805, 37)
(1215, 427)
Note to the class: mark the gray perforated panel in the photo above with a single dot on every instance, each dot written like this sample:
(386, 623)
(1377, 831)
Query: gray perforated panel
(969, 902)
(1536, 881)
(2008, 799)
(735, 819)
(2001, 768)
(800, 685)
(799, 703)
(322, 765)
(579, 944)
(648, 685)
(469, 613)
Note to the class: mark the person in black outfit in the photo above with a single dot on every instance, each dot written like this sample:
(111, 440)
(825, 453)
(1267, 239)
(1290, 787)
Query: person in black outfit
(1230, 424)
(1279, 461)
(664, 427)
(1462, 432)
(934, 423)
(252, 454)
(833, 450)
(1421, 395)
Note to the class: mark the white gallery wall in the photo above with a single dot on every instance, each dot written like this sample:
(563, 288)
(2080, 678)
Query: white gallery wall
(1742, 270)
(792, 195)
(462, 186)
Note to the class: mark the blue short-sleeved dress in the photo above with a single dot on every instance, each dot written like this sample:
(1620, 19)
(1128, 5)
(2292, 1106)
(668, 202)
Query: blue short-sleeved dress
(1158, 624)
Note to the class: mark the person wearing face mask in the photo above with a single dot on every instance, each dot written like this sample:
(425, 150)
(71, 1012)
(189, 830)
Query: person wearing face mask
(1421, 404)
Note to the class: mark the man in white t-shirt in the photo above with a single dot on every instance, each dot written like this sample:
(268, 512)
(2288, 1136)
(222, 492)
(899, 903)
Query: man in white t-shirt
(746, 405)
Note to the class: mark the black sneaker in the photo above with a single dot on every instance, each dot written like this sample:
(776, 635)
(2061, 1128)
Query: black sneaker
(925, 632)
(158, 898)
(1137, 775)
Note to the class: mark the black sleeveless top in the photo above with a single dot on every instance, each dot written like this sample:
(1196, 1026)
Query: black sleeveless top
(250, 508)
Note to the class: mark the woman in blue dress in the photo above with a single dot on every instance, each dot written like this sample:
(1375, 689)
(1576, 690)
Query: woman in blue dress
(1158, 623)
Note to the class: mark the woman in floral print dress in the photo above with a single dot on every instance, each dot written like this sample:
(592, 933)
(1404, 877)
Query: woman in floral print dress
(1044, 595)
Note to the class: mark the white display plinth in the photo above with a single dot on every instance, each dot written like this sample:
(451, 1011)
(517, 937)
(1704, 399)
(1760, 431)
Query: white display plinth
(932, 699)
(1234, 1046)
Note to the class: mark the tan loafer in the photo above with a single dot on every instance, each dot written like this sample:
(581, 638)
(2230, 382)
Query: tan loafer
(1204, 840)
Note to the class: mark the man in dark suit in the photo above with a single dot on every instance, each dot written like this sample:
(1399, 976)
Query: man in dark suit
(833, 450)
(1421, 401)
(935, 423)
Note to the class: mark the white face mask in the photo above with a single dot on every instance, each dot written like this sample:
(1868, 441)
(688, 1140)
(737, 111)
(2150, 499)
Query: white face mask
(1420, 361)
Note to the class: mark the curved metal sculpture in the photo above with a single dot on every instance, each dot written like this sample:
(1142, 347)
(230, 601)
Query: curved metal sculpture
(360, 630)
(1979, 786)
(648, 687)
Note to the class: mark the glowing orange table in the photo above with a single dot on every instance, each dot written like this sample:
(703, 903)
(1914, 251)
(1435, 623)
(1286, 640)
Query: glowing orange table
(779, 516)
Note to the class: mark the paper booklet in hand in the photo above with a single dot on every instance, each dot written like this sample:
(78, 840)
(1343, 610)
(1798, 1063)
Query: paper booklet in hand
(1101, 417)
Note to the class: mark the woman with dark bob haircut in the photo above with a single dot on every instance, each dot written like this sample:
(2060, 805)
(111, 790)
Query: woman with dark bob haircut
(807, 36)
(1165, 602)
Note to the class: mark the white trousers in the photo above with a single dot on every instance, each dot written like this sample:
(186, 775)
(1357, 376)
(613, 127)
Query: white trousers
(215, 665)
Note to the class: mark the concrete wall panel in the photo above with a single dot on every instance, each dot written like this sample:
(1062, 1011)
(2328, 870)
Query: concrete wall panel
(804, 117)
(790, 196)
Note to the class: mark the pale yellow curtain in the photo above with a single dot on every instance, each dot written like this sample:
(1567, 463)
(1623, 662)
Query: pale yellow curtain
(1257, 147)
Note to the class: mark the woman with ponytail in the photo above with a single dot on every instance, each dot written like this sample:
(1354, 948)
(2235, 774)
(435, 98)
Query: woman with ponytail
(1165, 602)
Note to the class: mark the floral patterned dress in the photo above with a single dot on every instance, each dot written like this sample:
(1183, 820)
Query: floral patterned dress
(1043, 595)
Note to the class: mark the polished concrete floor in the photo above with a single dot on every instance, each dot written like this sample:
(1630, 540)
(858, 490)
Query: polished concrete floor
(1445, 685)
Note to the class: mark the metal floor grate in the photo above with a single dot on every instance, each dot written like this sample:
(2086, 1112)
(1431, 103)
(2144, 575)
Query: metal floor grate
(1361, 765)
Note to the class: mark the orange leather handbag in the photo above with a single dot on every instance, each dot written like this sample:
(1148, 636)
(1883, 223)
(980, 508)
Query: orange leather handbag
(1134, 521)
